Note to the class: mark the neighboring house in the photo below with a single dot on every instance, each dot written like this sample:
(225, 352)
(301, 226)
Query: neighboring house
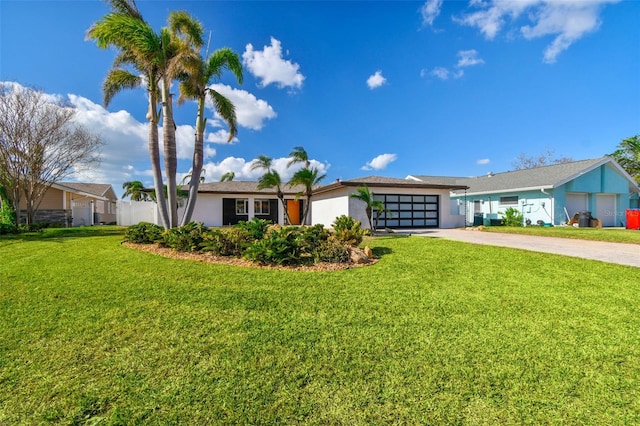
(412, 204)
(551, 194)
(76, 204)
(227, 203)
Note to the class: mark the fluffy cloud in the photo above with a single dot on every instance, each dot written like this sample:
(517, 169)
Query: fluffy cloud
(430, 11)
(468, 58)
(380, 162)
(483, 161)
(242, 168)
(269, 66)
(568, 21)
(376, 80)
(251, 112)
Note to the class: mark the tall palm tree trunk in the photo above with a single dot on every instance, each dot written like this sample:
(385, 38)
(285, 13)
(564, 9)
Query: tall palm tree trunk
(196, 167)
(170, 156)
(154, 156)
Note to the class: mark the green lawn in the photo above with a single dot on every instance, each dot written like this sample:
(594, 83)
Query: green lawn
(617, 235)
(437, 332)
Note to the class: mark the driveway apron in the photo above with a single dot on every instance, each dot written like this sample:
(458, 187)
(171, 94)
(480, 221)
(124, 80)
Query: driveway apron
(620, 253)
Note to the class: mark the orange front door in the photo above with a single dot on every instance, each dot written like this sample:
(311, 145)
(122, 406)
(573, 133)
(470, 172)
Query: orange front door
(293, 207)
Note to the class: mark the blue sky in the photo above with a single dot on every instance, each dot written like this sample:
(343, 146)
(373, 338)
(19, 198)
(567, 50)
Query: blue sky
(435, 87)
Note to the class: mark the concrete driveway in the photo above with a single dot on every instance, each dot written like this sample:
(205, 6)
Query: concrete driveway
(622, 254)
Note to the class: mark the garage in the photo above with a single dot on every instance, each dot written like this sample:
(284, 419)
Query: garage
(409, 211)
(606, 209)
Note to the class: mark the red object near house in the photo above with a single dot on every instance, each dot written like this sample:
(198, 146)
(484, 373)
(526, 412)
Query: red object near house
(633, 218)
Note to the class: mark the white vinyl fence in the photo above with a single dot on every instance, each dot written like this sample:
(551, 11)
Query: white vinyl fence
(134, 212)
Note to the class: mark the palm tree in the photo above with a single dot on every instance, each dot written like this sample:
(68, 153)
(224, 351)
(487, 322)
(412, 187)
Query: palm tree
(135, 189)
(156, 57)
(227, 177)
(627, 155)
(271, 179)
(366, 196)
(299, 155)
(125, 29)
(309, 178)
(195, 77)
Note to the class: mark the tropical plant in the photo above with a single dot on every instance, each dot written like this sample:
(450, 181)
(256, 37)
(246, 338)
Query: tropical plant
(227, 177)
(136, 190)
(299, 155)
(308, 178)
(271, 179)
(628, 156)
(371, 204)
(143, 233)
(512, 217)
(348, 230)
(156, 58)
(185, 238)
(195, 79)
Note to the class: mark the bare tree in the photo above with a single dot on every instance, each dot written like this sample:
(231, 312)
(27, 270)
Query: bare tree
(546, 158)
(40, 144)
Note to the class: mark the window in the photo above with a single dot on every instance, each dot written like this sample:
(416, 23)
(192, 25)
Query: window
(509, 201)
(261, 207)
(242, 206)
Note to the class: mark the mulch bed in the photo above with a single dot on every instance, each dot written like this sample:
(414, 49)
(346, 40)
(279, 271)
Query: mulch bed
(228, 260)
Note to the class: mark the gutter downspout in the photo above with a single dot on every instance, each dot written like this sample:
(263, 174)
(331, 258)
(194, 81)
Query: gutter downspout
(551, 206)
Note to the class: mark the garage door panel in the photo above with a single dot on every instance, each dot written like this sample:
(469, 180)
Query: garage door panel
(409, 211)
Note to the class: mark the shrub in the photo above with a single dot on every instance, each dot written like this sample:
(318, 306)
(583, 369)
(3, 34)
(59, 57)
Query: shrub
(32, 227)
(185, 238)
(279, 247)
(143, 233)
(8, 228)
(512, 217)
(256, 227)
(348, 230)
(227, 241)
(332, 250)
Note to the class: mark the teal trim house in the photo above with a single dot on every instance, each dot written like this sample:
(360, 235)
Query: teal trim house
(549, 194)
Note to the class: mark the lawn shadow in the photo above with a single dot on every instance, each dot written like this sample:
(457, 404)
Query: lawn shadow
(58, 234)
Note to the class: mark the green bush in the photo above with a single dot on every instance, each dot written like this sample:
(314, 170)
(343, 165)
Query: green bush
(8, 228)
(348, 230)
(185, 238)
(280, 246)
(33, 227)
(332, 250)
(227, 241)
(256, 227)
(512, 217)
(143, 233)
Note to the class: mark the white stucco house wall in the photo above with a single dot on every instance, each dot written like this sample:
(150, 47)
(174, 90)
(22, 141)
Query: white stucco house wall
(412, 204)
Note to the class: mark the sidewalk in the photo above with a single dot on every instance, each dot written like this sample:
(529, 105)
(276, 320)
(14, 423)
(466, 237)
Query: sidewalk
(622, 254)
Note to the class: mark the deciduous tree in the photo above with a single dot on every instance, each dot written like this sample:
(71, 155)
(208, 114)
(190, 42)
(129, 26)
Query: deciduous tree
(40, 144)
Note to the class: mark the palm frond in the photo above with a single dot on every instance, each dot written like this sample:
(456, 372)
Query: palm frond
(116, 81)
(222, 59)
(186, 27)
(226, 110)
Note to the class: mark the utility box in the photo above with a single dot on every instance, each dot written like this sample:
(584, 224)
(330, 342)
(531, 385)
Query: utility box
(633, 219)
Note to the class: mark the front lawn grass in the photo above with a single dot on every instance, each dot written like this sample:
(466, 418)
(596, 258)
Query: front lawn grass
(437, 332)
(631, 236)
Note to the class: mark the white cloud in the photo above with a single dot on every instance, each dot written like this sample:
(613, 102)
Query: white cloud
(483, 161)
(468, 58)
(430, 11)
(567, 20)
(380, 162)
(376, 80)
(440, 72)
(251, 112)
(242, 168)
(269, 66)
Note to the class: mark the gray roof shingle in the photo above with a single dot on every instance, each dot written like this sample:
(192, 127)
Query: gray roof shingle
(539, 177)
